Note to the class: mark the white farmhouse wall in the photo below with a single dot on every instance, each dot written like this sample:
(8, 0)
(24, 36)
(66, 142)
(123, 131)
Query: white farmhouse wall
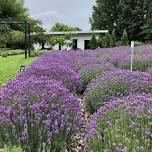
(81, 39)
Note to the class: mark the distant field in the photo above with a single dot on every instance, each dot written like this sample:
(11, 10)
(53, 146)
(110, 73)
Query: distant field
(11, 65)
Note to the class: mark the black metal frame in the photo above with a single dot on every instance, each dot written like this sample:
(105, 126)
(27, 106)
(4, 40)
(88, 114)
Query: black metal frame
(27, 31)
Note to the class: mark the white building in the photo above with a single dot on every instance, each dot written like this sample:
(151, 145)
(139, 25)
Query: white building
(80, 39)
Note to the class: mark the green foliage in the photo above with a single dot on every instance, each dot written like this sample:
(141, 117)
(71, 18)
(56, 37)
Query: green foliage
(106, 40)
(92, 99)
(100, 41)
(60, 27)
(96, 97)
(35, 53)
(12, 52)
(122, 14)
(124, 39)
(4, 54)
(93, 42)
(40, 38)
(16, 39)
(137, 66)
(90, 75)
(113, 39)
(4, 35)
(11, 149)
(120, 129)
(64, 39)
(12, 9)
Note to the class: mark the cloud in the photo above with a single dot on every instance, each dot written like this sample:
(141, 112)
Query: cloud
(73, 12)
(48, 14)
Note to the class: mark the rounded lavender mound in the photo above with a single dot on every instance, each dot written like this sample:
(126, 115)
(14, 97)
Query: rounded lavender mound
(38, 113)
(57, 71)
(122, 125)
(116, 84)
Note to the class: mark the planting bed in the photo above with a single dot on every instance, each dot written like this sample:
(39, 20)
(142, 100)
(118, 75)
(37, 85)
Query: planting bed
(80, 101)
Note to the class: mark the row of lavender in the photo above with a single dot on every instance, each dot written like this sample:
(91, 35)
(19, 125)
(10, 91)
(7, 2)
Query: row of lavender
(120, 102)
(40, 110)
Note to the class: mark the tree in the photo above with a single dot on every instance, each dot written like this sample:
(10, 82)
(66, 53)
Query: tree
(106, 40)
(93, 42)
(121, 14)
(4, 34)
(100, 41)
(12, 9)
(147, 27)
(124, 39)
(113, 39)
(16, 39)
(62, 40)
(60, 27)
(104, 14)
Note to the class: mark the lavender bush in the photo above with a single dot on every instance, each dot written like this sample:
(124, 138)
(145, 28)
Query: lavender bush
(90, 71)
(122, 126)
(39, 114)
(121, 56)
(52, 67)
(116, 84)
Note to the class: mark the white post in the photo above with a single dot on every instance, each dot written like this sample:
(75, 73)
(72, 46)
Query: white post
(132, 54)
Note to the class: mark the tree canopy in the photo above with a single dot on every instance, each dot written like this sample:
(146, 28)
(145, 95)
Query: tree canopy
(12, 35)
(118, 15)
(59, 27)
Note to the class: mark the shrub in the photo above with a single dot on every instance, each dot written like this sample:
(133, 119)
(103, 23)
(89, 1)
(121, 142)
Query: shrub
(35, 53)
(39, 114)
(106, 40)
(93, 42)
(121, 125)
(100, 41)
(15, 52)
(91, 67)
(90, 75)
(124, 39)
(116, 84)
(4, 54)
(137, 66)
(113, 39)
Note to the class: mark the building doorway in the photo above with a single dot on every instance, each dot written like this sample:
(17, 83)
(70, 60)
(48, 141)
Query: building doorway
(75, 44)
(87, 44)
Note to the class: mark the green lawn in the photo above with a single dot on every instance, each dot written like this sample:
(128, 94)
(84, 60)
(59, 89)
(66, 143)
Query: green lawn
(11, 65)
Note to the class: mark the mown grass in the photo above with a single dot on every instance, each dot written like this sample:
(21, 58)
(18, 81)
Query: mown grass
(9, 66)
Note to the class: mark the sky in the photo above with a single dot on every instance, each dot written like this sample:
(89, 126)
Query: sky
(72, 12)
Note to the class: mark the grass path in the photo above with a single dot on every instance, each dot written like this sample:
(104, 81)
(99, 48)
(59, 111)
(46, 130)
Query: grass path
(11, 65)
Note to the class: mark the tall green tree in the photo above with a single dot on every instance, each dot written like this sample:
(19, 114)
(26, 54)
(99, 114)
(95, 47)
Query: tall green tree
(147, 27)
(121, 14)
(93, 42)
(124, 39)
(12, 9)
(113, 39)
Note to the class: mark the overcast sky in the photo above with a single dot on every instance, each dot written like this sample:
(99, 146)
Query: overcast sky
(73, 12)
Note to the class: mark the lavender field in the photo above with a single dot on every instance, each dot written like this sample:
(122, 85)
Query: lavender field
(92, 93)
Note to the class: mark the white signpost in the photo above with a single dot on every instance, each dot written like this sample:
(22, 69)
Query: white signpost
(132, 54)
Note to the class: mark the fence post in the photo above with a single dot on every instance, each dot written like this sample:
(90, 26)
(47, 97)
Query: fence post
(132, 54)
(25, 38)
